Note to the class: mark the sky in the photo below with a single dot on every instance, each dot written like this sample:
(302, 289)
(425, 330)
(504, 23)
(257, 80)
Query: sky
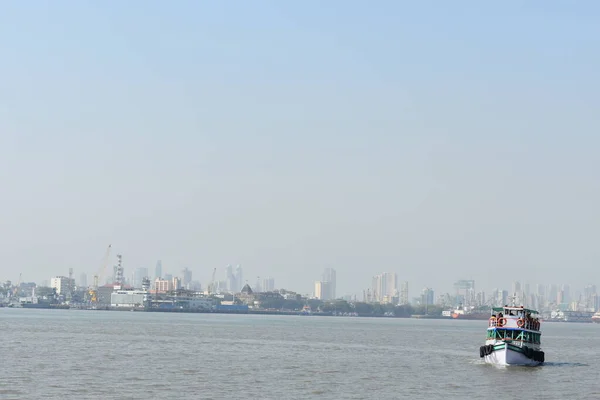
(437, 140)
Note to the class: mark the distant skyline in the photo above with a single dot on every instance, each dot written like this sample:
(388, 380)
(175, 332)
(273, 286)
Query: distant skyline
(439, 141)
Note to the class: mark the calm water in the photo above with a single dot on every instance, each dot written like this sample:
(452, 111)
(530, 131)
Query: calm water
(69, 354)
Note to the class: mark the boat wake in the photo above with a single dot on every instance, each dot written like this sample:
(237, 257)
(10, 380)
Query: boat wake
(565, 364)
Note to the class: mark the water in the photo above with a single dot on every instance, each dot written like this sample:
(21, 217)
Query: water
(69, 354)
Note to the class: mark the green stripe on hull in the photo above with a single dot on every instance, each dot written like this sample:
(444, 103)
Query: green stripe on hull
(510, 346)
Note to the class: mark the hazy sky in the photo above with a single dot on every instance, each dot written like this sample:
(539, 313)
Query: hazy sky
(439, 140)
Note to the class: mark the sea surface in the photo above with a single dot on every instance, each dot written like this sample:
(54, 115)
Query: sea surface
(74, 354)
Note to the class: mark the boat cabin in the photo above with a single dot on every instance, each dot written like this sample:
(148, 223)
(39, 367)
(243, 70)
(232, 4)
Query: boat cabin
(514, 311)
(512, 317)
(514, 335)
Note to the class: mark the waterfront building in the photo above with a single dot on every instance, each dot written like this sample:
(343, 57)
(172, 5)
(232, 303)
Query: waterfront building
(62, 284)
(163, 285)
(128, 298)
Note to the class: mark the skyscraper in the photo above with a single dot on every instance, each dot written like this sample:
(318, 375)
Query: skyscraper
(427, 297)
(566, 294)
(516, 289)
(330, 278)
(322, 289)
(385, 287)
(83, 280)
(268, 284)
(232, 284)
(404, 293)
(239, 278)
(158, 270)
(187, 278)
(138, 276)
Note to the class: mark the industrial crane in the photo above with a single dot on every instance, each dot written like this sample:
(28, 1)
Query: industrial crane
(16, 290)
(93, 291)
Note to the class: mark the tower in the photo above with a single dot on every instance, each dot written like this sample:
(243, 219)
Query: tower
(70, 290)
(119, 270)
(158, 270)
(329, 276)
(239, 277)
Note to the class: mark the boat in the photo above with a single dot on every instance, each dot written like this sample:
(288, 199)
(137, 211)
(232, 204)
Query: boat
(306, 310)
(596, 317)
(513, 337)
(46, 306)
(461, 313)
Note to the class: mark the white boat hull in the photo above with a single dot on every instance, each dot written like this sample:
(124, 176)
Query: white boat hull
(505, 355)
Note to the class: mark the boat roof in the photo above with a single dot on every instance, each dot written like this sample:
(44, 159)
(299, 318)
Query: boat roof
(521, 308)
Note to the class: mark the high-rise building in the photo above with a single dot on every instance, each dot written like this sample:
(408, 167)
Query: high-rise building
(566, 294)
(176, 283)
(318, 290)
(187, 278)
(596, 302)
(257, 286)
(465, 292)
(427, 296)
(322, 290)
(268, 284)
(158, 270)
(239, 278)
(169, 277)
(404, 293)
(232, 284)
(83, 280)
(62, 284)
(480, 298)
(385, 287)
(138, 276)
(163, 285)
(516, 289)
(330, 277)
(588, 297)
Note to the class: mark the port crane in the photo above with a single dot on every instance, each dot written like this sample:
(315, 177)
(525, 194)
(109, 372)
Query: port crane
(16, 290)
(93, 291)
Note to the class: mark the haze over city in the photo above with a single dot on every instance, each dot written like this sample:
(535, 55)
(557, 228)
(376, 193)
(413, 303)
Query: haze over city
(341, 142)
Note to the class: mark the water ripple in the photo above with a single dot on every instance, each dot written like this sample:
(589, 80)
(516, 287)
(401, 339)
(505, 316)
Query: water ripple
(64, 354)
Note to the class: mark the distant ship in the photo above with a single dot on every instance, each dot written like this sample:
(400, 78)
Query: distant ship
(461, 313)
(596, 317)
(572, 316)
(44, 305)
(306, 310)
